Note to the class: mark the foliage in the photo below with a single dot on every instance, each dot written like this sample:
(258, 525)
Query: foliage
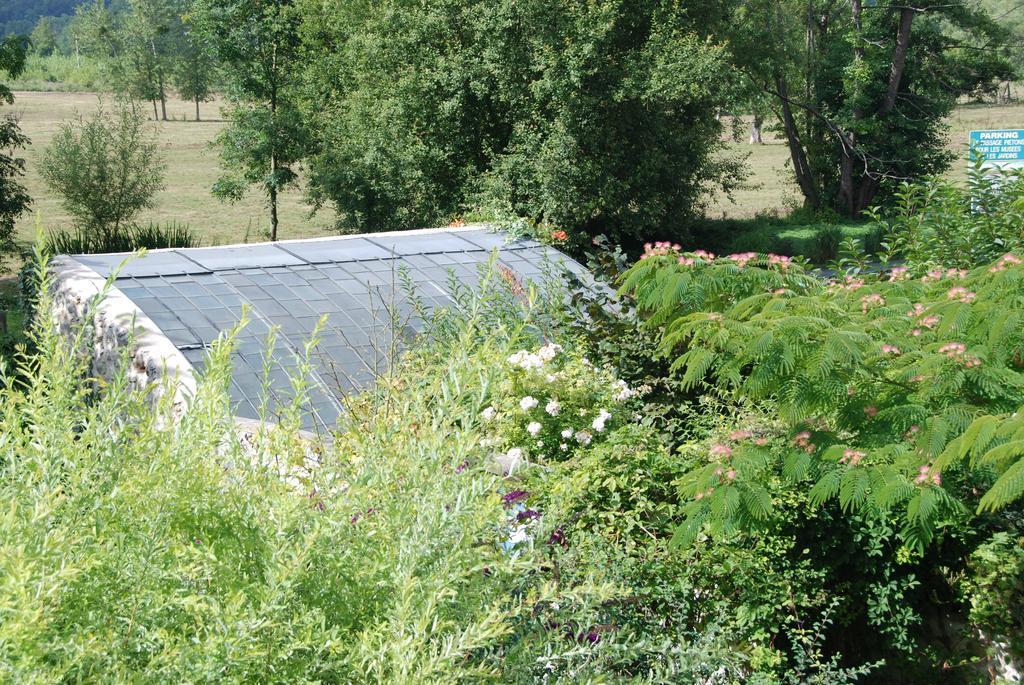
(258, 45)
(862, 90)
(107, 168)
(44, 37)
(134, 552)
(994, 590)
(14, 199)
(877, 379)
(587, 117)
(939, 223)
(126, 239)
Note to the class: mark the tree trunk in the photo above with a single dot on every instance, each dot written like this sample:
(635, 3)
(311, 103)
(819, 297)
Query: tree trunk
(273, 213)
(797, 154)
(899, 60)
(755, 130)
(197, 109)
(163, 99)
(155, 115)
(273, 196)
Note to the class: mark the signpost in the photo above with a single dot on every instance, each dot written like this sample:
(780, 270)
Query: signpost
(999, 149)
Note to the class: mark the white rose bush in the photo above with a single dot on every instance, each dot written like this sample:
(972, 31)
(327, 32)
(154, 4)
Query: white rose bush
(548, 402)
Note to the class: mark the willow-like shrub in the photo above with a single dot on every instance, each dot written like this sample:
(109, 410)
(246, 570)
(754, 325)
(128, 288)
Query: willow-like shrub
(131, 552)
(898, 392)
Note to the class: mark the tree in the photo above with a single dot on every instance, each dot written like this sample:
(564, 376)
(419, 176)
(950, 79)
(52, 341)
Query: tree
(13, 197)
(597, 117)
(194, 68)
(106, 168)
(257, 43)
(44, 37)
(863, 89)
(137, 47)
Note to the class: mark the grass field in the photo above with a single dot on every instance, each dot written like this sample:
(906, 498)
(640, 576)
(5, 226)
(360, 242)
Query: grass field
(193, 168)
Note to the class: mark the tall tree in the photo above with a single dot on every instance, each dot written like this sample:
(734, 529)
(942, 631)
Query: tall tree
(44, 37)
(13, 197)
(863, 89)
(595, 116)
(257, 43)
(194, 67)
(138, 46)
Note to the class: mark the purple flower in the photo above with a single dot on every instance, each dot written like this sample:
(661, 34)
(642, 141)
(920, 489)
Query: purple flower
(557, 537)
(527, 515)
(462, 467)
(515, 496)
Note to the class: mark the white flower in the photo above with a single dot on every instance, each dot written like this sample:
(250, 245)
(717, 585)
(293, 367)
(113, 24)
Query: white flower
(567, 433)
(553, 408)
(548, 352)
(551, 378)
(540, 443)
(528, 403)
(624, 391)
(563, 447)
(533, 428)
(583, 437)
(488, 413)
(601, 419)
(526, 360)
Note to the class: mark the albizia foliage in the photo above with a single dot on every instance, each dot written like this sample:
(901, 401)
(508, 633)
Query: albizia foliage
(886, 382)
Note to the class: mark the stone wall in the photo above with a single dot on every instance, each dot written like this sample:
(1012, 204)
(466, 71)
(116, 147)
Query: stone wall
(116, 328)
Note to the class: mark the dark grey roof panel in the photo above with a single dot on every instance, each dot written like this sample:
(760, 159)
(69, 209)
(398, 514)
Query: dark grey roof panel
(358, 283)
(152, 264)
(241, 256)
(337, 250)
(419, 243)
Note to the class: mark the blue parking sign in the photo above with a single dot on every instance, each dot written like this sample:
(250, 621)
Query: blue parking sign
(1002, 148)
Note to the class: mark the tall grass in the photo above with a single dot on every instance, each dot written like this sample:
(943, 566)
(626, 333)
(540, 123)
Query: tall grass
(135, 553)
(151, 237)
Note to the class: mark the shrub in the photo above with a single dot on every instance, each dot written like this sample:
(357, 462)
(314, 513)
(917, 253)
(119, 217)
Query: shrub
(941, 224)
(146, 553)
(106, 168)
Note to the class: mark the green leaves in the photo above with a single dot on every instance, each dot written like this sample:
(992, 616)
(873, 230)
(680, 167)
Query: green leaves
(896, 377)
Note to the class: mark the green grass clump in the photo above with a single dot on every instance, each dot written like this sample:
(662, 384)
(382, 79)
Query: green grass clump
(151, 237)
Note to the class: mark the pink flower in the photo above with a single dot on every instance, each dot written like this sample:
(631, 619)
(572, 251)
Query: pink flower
(890, 349)
(960, 294)
(869, 301)
(730, 474)
(761, 442)
(898, 273)
(781, 261)
(930, 321)
(853, 457)
(1005, 261)
(871, 411)
(742, 258)
(736, 436)
(720, 450)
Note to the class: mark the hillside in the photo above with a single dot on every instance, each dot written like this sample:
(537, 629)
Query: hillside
(19, 16)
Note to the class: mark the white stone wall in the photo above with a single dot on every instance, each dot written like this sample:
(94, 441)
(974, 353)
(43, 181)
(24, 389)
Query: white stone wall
(116, 326)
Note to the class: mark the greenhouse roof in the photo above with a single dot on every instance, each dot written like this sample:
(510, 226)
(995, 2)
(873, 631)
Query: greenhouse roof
(359, 283)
